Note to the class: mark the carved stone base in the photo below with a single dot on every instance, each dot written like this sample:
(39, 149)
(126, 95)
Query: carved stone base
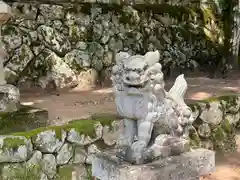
(9, 98)
(187, 166)
(164, 146)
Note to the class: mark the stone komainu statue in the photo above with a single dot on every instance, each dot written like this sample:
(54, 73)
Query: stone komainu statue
(156, 122)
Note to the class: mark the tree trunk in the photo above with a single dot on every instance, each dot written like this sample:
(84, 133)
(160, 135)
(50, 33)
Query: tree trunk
(236, 35)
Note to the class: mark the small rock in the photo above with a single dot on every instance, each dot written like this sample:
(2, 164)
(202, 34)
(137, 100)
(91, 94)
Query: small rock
(81, 45)
(65, 154)
(110, 134)
(43, 177)
(233, 118)
(35, 159)
(108, 58)
(77, 59)
(53, 39)
(49, 142)
(24, 10)
(204, 130)
(20, 59)
(88, 78)
(52, 12)
(80, 155)
(212, 114)
(14, 148)
(11, 36)
(49, 165)
(80, 172)
(60, 74)
(92, 149)
(82, 139)
(10, 101)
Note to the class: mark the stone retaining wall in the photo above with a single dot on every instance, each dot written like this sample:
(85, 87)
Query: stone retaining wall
(64, 152)
(55, 152)
(216, 123)
(76, 43)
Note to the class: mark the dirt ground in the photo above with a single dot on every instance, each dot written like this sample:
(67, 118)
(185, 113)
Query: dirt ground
(78, 103)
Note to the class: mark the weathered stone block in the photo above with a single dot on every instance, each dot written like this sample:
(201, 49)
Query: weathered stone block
(15, 149)
(26, 118)
(189, 165)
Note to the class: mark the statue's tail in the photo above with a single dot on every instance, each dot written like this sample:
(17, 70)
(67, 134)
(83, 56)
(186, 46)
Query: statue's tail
(178, 90)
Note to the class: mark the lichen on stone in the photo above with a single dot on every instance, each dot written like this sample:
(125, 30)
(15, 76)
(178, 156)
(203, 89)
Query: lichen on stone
(12, 143)
(22, 120)
(84, 126)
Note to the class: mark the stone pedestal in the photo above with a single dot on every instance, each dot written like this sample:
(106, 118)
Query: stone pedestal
(187, 166)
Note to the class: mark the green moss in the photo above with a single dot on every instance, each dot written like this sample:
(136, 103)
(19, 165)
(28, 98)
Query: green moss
(229, 98)
(226, 126)
(12, 143)
(84, 126)
(74, 33)
(24, 119)
(195, 140)
(89, 172)
(23, 172)
(218, 137)
(219, 134)
(35, 132)
(9, 30)
(65, 172)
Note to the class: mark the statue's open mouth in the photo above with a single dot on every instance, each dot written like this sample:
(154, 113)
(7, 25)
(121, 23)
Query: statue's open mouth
(135, 84)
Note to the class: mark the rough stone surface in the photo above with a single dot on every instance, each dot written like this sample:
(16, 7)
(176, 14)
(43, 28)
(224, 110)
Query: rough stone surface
(49, 142)
(80, 156)
(14, 148)
(10, 98)
(86, 37)
(215, 124)
(212, 115)
(92, 150)
(35, 159)
(186, 166)
(82, 139)
(65, 154)
(49, 165)
(110, 134)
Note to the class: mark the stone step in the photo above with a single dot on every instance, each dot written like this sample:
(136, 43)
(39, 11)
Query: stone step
(187, 166)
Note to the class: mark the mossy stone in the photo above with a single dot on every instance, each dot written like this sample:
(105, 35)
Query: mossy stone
(195, 140)
(12, 143)
(21, 172)
(82, 126)
(65, 172)
(26, 118)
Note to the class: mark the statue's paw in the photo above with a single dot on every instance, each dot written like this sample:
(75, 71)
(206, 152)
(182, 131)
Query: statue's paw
(138, 147)
(139, 159)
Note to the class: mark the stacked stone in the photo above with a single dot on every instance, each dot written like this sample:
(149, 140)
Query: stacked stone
(66, 44)
(55, 150)
(217, 120)
(46, 155)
